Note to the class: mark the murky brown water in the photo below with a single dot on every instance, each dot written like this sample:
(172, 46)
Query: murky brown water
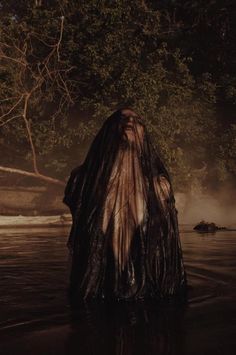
(35, 316)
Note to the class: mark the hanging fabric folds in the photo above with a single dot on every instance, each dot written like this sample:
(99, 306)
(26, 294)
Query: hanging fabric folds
(124, 238)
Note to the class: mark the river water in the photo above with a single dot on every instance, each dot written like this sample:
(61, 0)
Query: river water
(36, 317)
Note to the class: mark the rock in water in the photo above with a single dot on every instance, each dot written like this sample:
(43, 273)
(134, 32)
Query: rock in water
(207, 227)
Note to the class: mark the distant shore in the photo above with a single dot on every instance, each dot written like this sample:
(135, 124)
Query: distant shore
(35, 221)
(32, 200)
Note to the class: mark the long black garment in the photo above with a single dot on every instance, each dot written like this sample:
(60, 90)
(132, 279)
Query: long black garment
(124, 238)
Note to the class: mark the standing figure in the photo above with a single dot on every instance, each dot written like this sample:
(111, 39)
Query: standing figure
(124, 238)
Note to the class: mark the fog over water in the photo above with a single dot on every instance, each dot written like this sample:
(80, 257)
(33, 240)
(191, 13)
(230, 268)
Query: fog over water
(219, 208)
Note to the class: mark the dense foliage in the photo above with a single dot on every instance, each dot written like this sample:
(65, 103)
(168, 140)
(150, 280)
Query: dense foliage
(172, 61)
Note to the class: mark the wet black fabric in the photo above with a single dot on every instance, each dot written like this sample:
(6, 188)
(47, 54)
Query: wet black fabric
(124, 238)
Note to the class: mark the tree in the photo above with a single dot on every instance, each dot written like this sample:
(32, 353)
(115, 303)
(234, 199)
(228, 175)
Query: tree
(136, 53)
(32, 73)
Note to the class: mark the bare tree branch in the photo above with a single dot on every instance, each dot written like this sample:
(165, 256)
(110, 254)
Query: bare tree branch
(60, 38)
(3, 56)
(9, 98)
(10, 119)
(27, 125)
(31, 174)
(31, 78)
(12, 108)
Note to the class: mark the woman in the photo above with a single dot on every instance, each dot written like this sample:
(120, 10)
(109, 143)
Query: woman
(124, 238)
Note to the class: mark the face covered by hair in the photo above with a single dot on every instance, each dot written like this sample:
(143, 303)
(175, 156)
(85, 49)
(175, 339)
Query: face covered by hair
(125, 205)
(131, 127)
(125, 226)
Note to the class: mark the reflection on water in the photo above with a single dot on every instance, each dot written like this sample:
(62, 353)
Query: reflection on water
(33, 302)
(126, 329)
(33, 274)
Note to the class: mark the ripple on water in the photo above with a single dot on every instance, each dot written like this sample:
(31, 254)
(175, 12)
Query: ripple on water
(35, 268)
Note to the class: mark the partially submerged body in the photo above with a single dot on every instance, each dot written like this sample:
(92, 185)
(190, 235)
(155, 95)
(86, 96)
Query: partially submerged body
(124, 239)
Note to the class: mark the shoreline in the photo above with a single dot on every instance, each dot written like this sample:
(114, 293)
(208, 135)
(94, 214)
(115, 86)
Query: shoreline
(20, 221)
(65, 221)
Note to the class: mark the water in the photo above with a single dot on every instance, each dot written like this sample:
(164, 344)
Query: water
(35, 315)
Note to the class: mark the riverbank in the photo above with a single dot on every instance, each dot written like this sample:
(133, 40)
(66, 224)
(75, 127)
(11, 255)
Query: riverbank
(32, 200)
(35, 221)
(47, 201)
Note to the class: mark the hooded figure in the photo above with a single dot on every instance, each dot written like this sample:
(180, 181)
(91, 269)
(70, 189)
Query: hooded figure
(124, 238)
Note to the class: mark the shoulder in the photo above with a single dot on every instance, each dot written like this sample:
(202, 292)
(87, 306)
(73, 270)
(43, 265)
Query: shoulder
(74, 173)
(72, 182)
(72, 178)
(76, 170)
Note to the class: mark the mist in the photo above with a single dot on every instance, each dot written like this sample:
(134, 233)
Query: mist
(218, 207)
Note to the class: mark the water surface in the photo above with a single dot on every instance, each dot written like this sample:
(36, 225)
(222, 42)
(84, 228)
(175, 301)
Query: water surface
(36, 316)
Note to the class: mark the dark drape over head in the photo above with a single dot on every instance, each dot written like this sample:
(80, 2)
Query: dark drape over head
(124, 238)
